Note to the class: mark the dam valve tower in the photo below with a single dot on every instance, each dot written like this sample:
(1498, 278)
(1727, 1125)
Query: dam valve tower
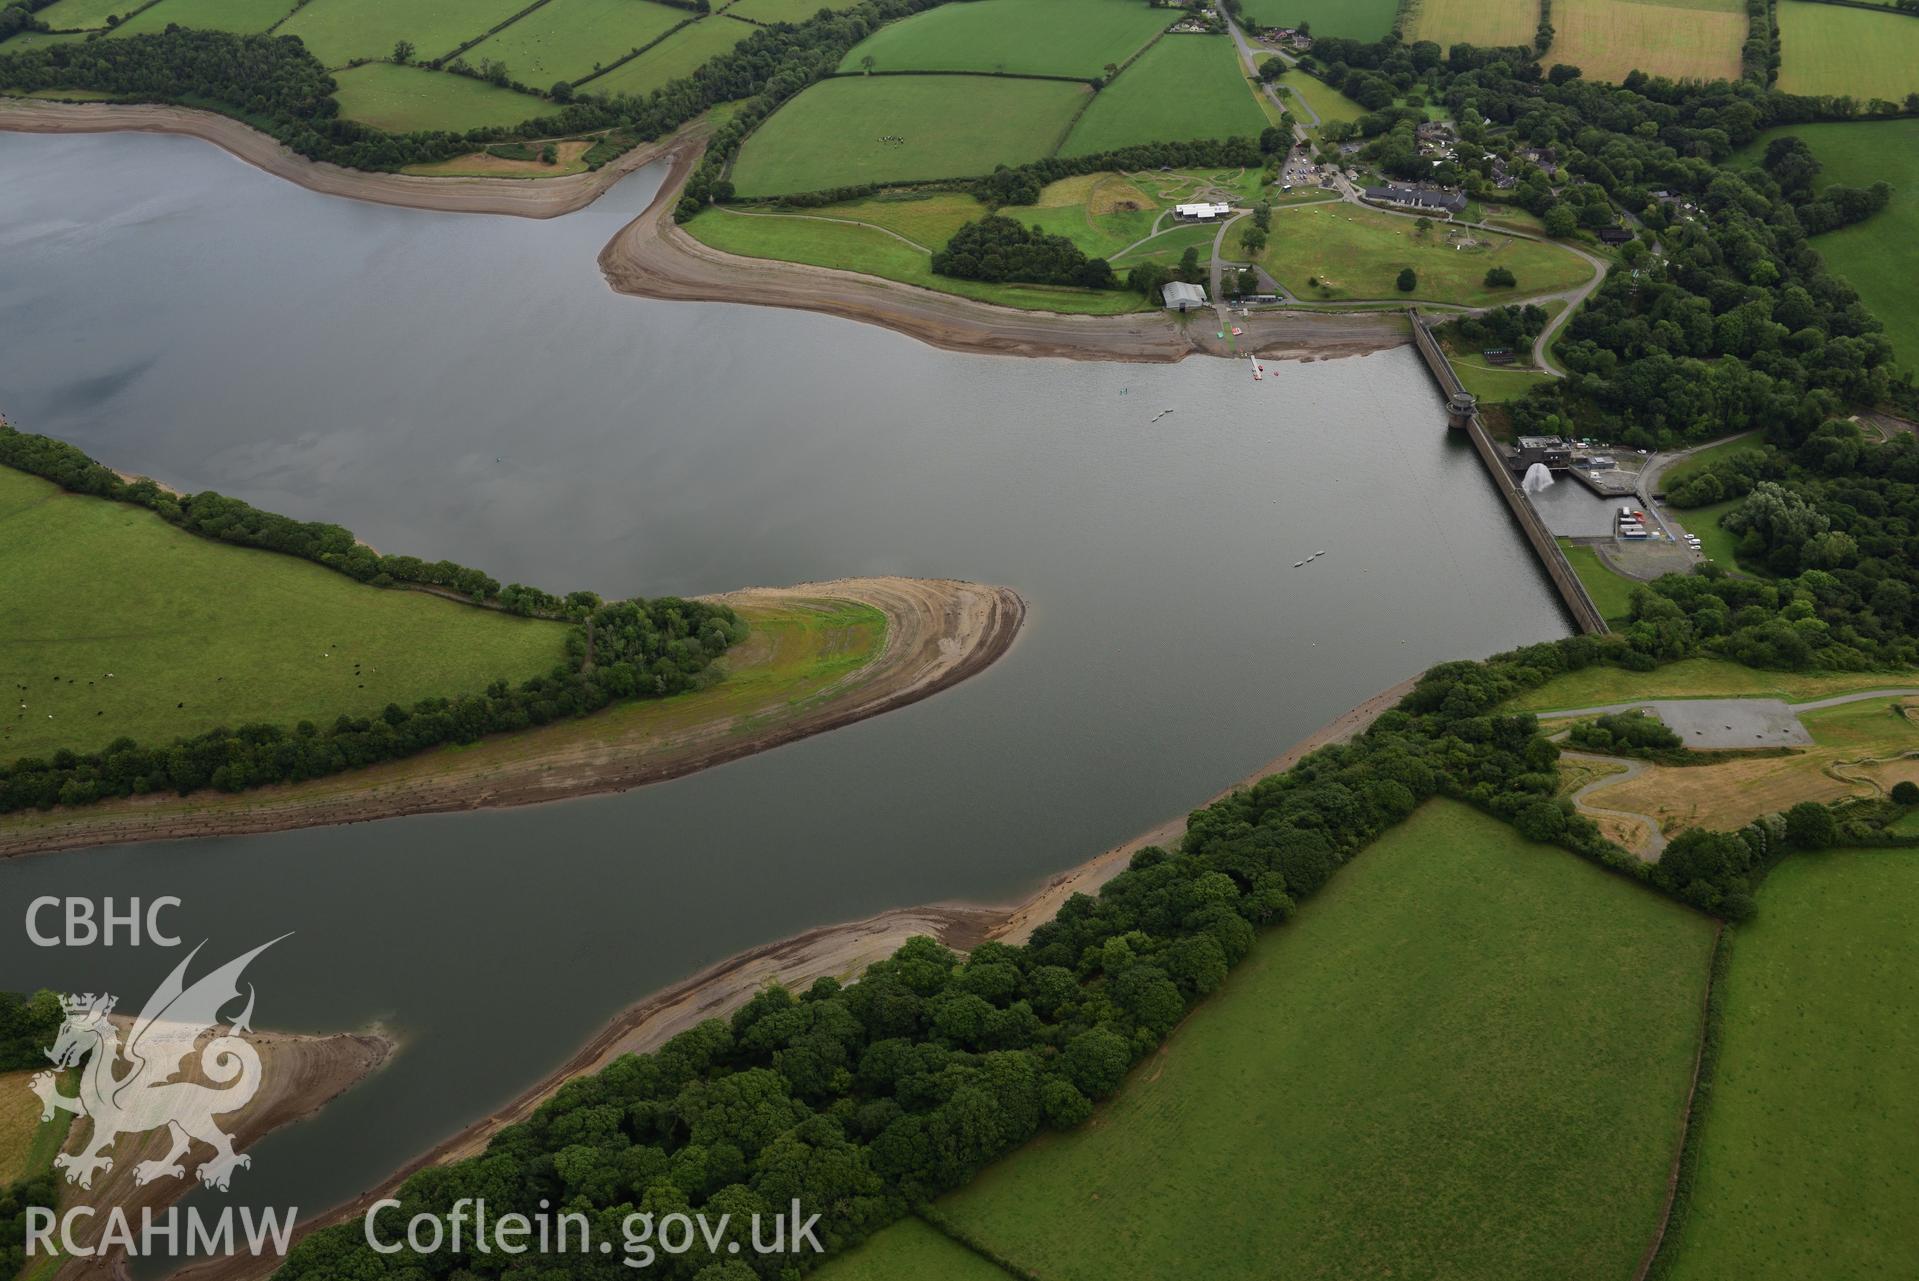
(1460, 407)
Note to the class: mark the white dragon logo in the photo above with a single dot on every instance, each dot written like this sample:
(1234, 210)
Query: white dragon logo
(145, 1096)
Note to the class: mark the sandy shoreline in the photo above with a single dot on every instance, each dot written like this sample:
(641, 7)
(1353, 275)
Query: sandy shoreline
(300, 1074)
(939, 633)
(840, 951)
(651, 257)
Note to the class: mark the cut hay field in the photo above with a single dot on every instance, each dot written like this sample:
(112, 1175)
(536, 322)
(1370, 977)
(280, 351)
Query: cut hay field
(1880, 256)
(837, 133)
(811, 238)
(1607, 39)
(1357, 253)
(200, 634)
(1809, 1148)
(1831, 49)
(406, 98)
(1184, 87)
(1701, 678)
(1355, 19)
(1465, 1057)
(1013, 37)
(338, 31)
(244, 16)
(570, 39)
(1487, 23)
(677, 55)
(1732, 794)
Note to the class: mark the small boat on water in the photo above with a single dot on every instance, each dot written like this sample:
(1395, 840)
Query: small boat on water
(1298, 563)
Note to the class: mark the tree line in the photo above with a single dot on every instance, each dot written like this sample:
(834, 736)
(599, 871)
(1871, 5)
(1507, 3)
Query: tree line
(996, 248)
(232, 520)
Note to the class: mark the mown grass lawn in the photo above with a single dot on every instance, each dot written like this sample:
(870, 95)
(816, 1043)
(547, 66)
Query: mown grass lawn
(200, 634)
(408, 98)
(1610, 591)
(1700, 678)
(338, 31)
(1827, 49)
(1466, 1057)
(1183, 88)
(1495, 384)
(1357, 253)
(1013, 37)
(1809, 1158)
(680, 54)
(568, 39)
(897, 129)
(809, 239)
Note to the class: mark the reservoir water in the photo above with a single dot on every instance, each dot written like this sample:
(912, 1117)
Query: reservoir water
(467, 386)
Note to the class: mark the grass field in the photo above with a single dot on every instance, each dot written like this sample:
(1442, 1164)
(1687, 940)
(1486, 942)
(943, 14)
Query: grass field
(27, 1144)
(1464, 1058)
(1717, 542)
(1184, 87)
(1103, 213)
(1733, 793)
(912, 1251)
(677, 55)
(1606, 39)
(199, 634)
(65, 15)
(1358, 253)
(836, 133)
(1611, 592)
(784, 10)
(1013, 37)
(1880, 256)
(404, 98)
(337, 31)
(1487, 23)
(1830, 49)
(1327, 101)
(1701, 678)
(1711, 456)
(1495, 384)
(1356, 19)
(570, 39)
(809, 239)
(213, 15)
(1809, 1164)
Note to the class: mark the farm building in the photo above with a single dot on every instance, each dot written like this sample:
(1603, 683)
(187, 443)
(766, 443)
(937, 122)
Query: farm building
(1394, 193)
(1181, 296)
(1614, 235)
(1204, 211)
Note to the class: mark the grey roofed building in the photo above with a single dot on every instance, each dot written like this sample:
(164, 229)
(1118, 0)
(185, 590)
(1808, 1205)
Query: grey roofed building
(1394, 193)
(1181, 296)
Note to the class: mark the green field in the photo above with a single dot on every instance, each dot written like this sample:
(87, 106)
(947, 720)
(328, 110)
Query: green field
(1496, 384)
(1184, 87)
(1327, 101)
(570, 39)
(677, 55)
(1014, 37)
(783, 10)
(1831, 49)
(1357, 254)
(1713, 454)
(211, 15)
(27, 1144)
(338, 31)
(808, 238)
(1611, 592)
(407, 98)
(1355, 19)
(912, 1251)
(838, 132)
(1809, 1156)
(1466, 1057)
(64, 15)
(200, 634)
(1880, 256)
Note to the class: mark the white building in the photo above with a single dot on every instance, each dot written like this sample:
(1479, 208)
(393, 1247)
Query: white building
(1204, 211)
(1181, 296)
